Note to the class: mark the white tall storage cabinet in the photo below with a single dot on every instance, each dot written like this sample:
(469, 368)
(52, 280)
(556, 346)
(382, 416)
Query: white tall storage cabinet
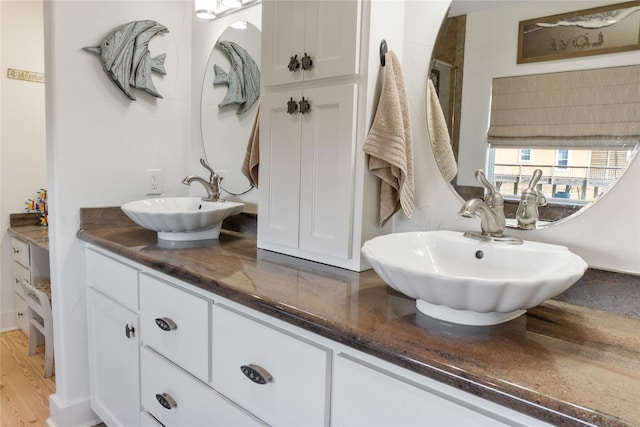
(320, 73)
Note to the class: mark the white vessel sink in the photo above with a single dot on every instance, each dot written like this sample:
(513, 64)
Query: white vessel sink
(181, 218)
(468, 281)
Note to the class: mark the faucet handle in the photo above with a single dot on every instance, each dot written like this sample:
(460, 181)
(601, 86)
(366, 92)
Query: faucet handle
(212, 174)
(482, 179)
(541, 199)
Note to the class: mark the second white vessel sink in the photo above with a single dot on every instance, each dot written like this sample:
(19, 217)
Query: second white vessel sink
(472, 282)
(181, 218)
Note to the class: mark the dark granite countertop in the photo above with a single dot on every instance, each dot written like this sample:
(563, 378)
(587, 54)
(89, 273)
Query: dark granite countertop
(27, 227)
(562, 363)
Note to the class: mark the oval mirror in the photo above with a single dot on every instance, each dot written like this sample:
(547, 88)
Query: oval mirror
(477, 44)
(229, 103)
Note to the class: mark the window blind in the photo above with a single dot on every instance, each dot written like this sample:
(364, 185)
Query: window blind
(586, 108)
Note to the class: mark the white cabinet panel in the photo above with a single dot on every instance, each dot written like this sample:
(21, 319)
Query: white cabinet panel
(327, 162)
(306, 200)
(296, 395)
(187, 341)
(113, 361)
(114, 278)
(327, 31)
(196, 404)
(279, 170)
(364, 395)
(283, 38)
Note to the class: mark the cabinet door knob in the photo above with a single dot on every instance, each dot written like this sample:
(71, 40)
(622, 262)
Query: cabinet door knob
(16, 251)
(294, 63)
(129, 331)
(292, 106)
(307, 63)
(166, 324)
(305, 106)
(256, 373)
(166, 401)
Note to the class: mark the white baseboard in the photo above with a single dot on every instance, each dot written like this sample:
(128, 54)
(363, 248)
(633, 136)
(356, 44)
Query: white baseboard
(76, 414)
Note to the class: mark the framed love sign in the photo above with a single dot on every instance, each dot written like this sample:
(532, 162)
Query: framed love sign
(596, 31)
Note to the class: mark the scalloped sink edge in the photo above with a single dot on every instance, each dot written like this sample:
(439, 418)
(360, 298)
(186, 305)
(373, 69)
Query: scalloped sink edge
(181, 219)
(471, 282)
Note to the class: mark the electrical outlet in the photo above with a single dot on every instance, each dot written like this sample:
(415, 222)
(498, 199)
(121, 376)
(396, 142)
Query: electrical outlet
(154, 181)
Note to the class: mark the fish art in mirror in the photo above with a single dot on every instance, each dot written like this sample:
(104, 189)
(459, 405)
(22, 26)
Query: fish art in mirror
(125, 57)
(488, 100)
(230, 104)
(243, 79)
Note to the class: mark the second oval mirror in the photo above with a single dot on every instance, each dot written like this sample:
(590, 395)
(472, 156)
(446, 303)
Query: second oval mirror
(477, 50)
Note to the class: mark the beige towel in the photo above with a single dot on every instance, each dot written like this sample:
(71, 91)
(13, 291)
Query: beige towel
(252, 155)
(439, 135)
(389, 143)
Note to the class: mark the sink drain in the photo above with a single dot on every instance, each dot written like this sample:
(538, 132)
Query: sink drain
(479, 254)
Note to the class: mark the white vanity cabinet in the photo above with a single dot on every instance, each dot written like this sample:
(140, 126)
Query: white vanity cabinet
(149, 350)
(326, 31)
(112, 324)
(223, 364)
(307, 173)
(30, 264)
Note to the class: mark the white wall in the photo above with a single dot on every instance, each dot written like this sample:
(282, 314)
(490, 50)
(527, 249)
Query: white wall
(99, 145)
(606, 235)
(22, 133)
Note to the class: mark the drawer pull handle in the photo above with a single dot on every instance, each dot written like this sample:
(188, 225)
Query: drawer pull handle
(129, 331)
(166, 324)
(256, 373)
(166, 401)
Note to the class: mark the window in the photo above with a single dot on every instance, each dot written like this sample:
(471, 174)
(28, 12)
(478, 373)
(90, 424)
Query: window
(562, 159)
(525, 155)
(579, 174)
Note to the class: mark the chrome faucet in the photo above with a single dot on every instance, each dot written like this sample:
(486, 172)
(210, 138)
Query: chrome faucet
(491, 213)
(212, 186)
(527, 213)
(491, 223)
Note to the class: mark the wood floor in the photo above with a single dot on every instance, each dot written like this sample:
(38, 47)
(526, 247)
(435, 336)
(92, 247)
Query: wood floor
(24, 393)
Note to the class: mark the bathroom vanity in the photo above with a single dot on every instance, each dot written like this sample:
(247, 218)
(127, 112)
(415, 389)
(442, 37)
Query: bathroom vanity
(218, 334)
(30, 260)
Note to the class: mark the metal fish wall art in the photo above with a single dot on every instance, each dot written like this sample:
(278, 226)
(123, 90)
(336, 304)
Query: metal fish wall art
(125, 57)
(243, 78)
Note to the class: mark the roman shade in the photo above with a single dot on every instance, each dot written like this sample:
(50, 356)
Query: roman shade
(586, 108)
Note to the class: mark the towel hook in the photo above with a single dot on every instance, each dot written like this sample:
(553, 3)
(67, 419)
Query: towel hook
(383, 51)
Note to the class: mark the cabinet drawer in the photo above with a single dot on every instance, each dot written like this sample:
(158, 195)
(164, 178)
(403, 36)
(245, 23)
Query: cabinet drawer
(187, 342)
(196, 403)
(115, 279)
(296, 395)
(20, 273)
(20, 251)
(21, 313)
